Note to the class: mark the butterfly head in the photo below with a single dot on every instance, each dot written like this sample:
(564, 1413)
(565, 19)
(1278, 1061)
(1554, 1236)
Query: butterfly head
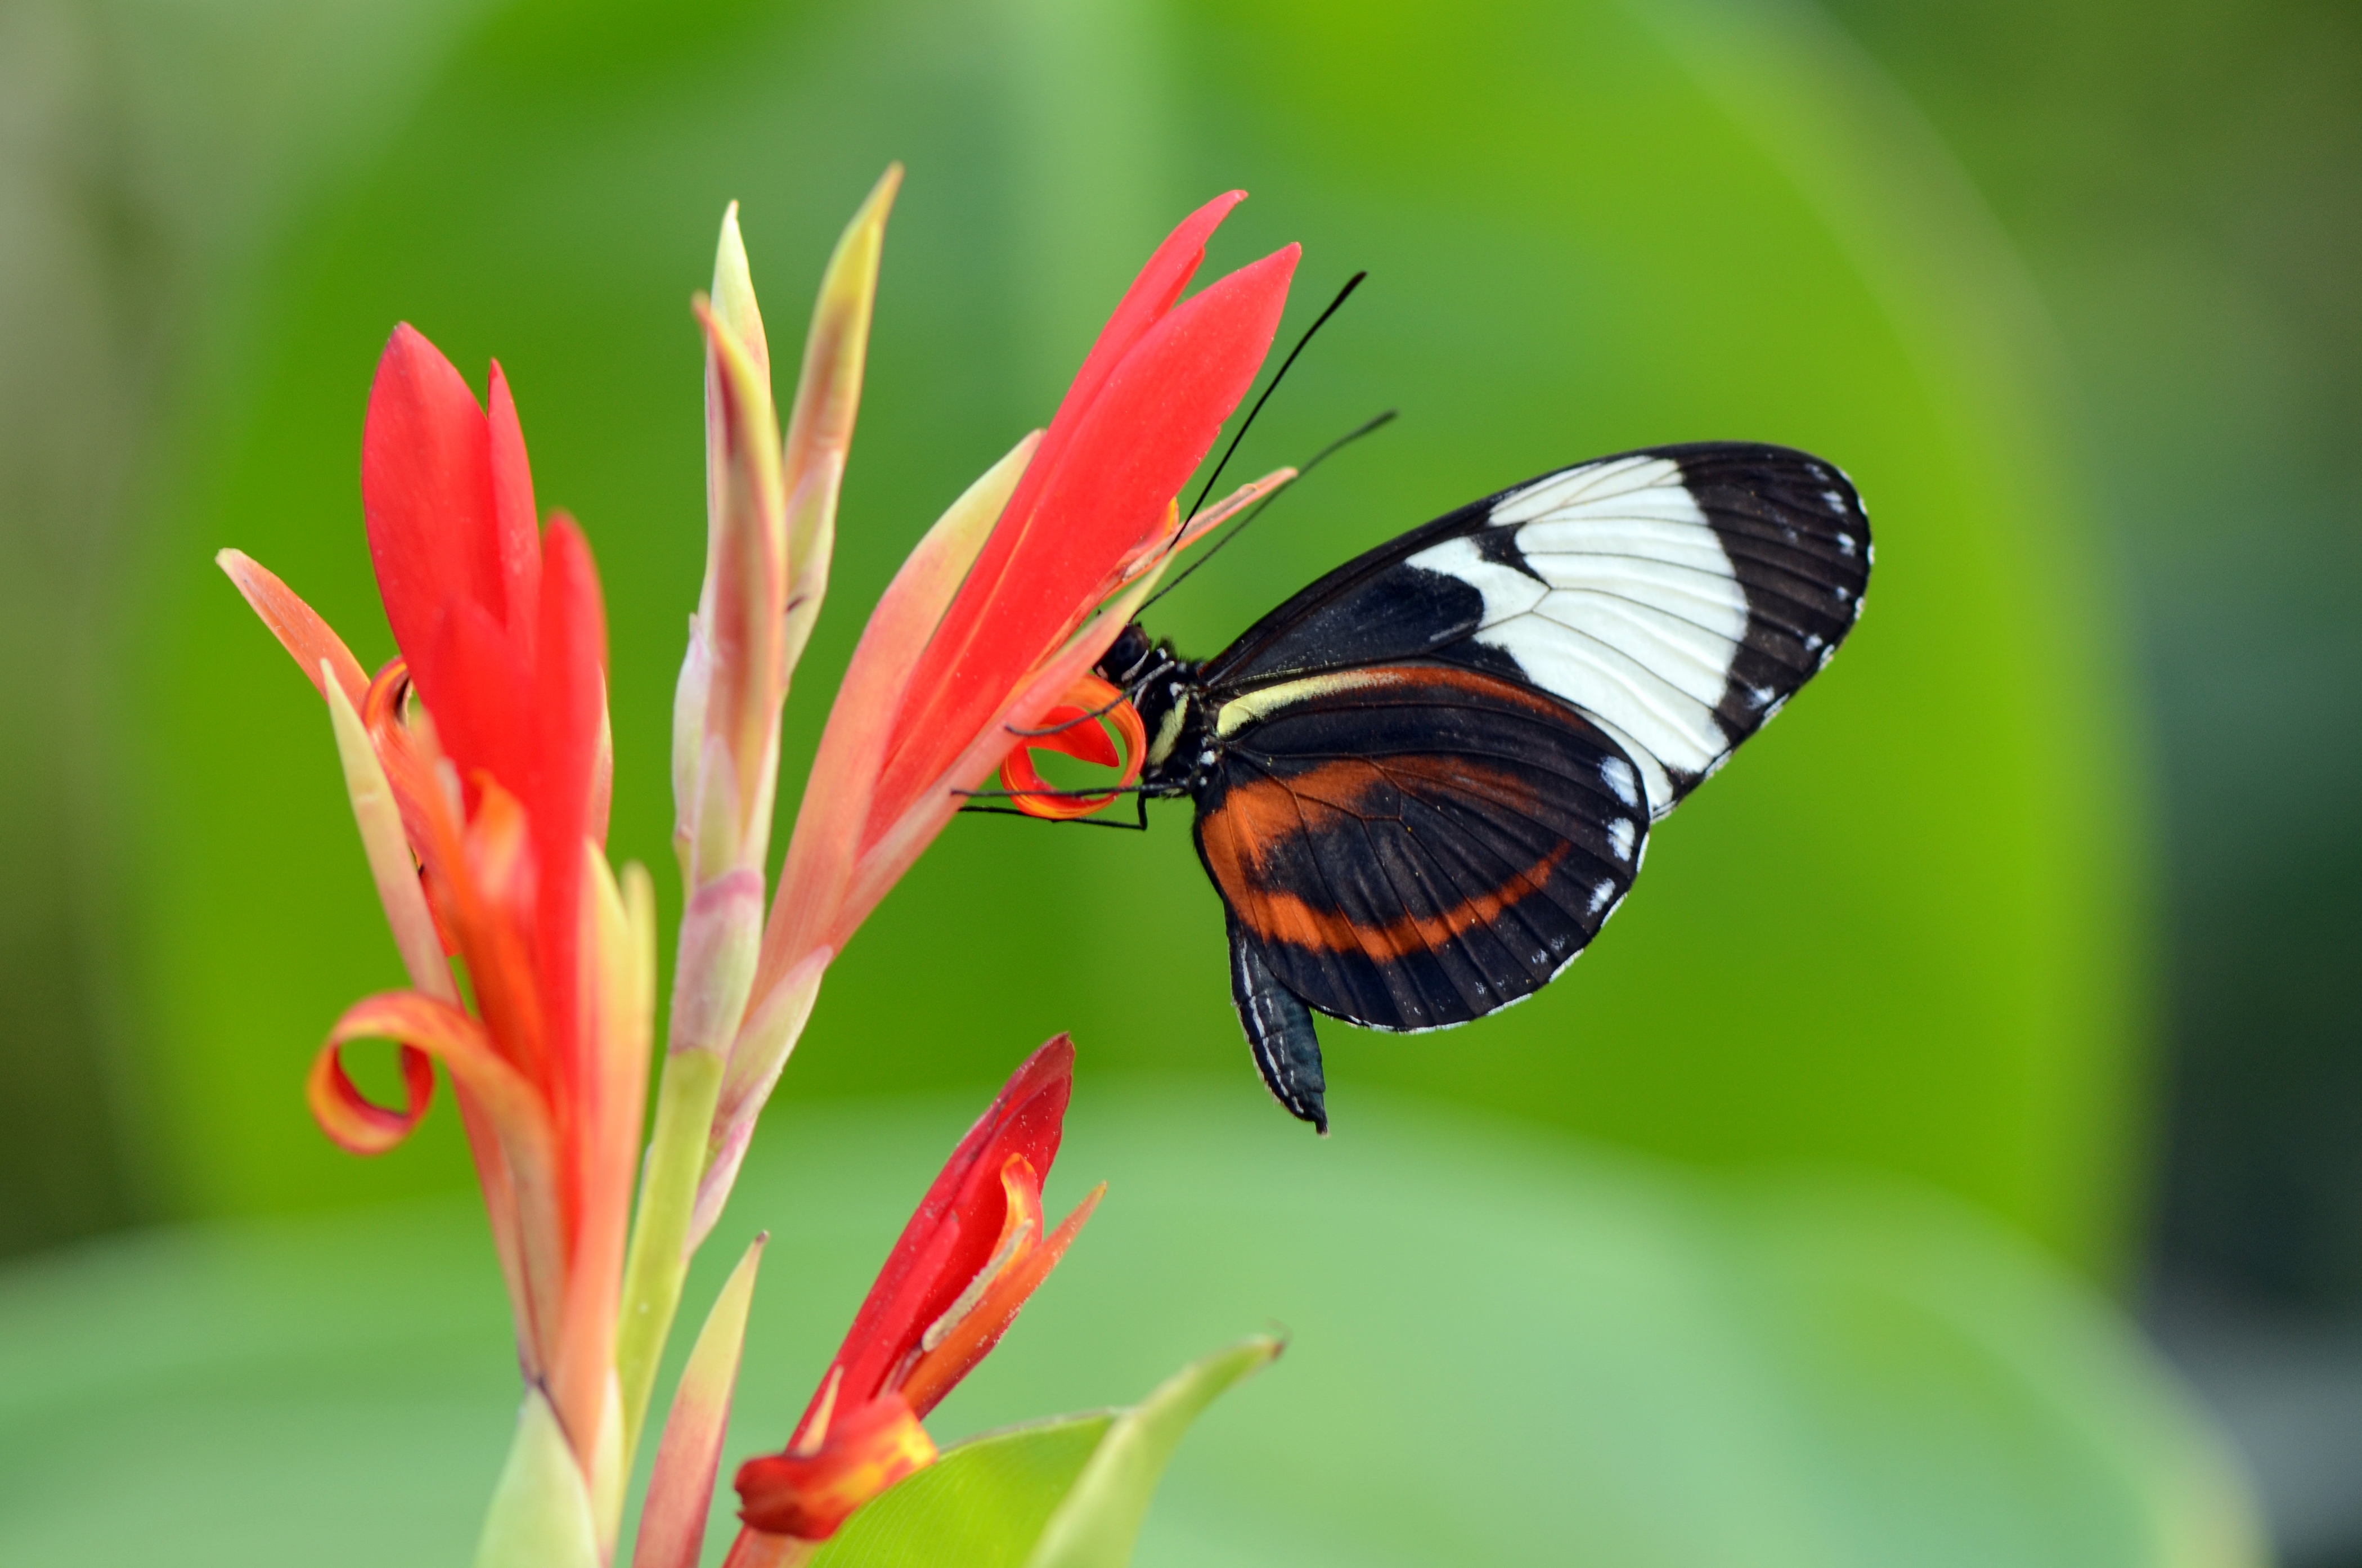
(1163, 689)
(1129, 657)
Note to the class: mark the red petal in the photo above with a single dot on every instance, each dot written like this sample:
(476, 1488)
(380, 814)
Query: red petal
(479, 694)
(517, 530)
(972, 1339)
(1151, 294)
(568, 718)
(1105, 489)
(953, 1234)
(1076, 733)
(427, 491)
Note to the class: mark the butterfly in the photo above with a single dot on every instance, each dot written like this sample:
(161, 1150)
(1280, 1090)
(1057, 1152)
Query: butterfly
(1424, 783)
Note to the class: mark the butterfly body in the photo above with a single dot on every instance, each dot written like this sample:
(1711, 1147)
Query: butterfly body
(1426, 781)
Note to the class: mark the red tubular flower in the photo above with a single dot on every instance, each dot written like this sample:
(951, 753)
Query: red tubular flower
(479, 767)
(989, 626)
(954, 1283)
(1140, 415)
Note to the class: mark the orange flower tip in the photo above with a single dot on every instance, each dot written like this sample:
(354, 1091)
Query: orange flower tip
(810, 1495)
(1074, 728)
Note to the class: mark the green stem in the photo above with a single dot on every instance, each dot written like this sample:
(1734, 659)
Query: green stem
(658, 1260)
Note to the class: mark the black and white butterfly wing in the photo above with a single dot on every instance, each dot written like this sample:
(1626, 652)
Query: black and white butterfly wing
(1676, 596)
(1409, 847)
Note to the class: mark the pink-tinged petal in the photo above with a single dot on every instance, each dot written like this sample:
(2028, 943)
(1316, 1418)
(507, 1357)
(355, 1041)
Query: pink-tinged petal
(972, 1337)
(826, 844)
(820, 419)
(426, 493)
(517, 530)
(296, 624)
(379, 816)
(689, 1456)
(900, 842)
(866, 1449)
(605, 1104)
(745, 591)
(952, 1234)
(1099, 499)
(769, 1032)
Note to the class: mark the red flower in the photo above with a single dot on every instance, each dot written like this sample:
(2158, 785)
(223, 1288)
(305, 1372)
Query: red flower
(954, 1283)
(479, 767)
(989, 626)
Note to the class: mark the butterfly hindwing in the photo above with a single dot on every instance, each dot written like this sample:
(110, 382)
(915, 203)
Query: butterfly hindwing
(1677, 596)
(1280, 1035)
(1410, 846)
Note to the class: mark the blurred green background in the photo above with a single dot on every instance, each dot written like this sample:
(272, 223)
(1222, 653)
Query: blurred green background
(2029, 920)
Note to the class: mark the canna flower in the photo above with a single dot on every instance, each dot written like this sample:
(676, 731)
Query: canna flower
(478, 764)
(994, 623)
(967, 1262)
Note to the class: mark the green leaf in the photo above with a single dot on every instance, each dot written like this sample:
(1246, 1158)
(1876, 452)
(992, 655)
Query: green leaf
(1066, 1493)
(1099, 1519)
(982, 1505)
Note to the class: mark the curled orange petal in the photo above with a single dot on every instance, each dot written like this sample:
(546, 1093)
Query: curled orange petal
(357, 1124)
(1074, 727)
(427, 1029)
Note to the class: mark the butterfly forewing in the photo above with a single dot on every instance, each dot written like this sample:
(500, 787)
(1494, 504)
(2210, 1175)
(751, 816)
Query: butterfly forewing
(1676, 596)
(1413, 845)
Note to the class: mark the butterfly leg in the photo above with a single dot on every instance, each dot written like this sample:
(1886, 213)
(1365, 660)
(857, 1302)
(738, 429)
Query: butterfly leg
(1279, 1033)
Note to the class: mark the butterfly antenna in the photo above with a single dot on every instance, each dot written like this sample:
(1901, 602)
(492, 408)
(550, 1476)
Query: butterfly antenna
(1342, 296)
(1238, 527)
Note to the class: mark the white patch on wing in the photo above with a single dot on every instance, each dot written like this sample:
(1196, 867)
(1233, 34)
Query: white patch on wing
(1616, 774)
(1644, 614)
(1507, 591)
(1588, 482)
(1600, 897)
(1620, 838)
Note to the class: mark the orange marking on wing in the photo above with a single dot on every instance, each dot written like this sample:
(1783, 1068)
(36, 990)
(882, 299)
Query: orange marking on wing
(1255, 816)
